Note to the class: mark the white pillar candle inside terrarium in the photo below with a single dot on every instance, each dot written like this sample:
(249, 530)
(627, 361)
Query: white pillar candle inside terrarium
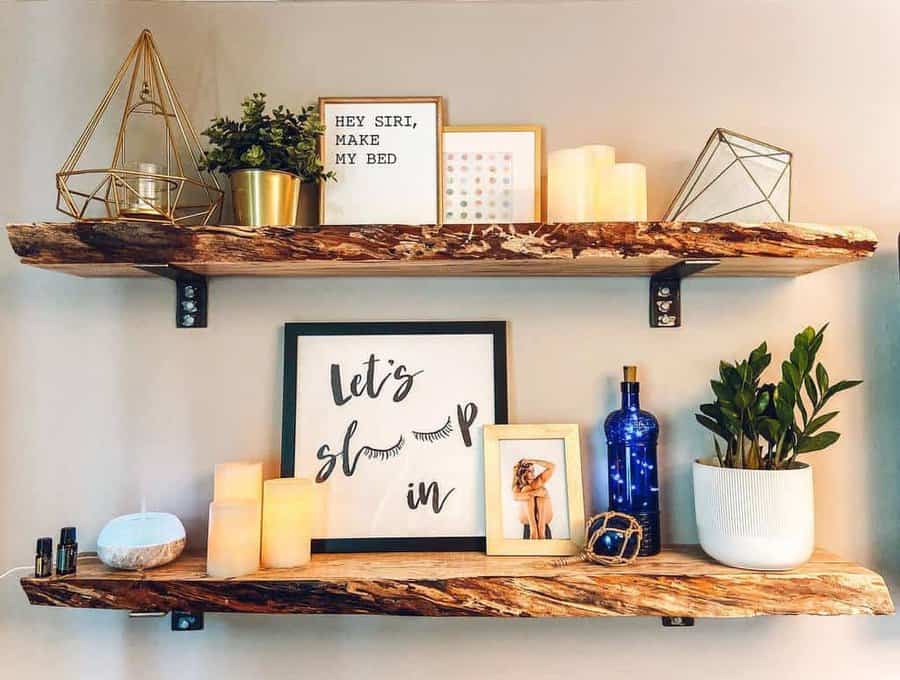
(143, 191)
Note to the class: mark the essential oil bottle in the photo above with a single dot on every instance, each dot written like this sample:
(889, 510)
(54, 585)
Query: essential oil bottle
(66, 552)
(43, 557)
(631, 437)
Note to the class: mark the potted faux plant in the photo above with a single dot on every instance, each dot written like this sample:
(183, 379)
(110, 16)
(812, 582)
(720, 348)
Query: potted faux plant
(266, 156)
(754, 498)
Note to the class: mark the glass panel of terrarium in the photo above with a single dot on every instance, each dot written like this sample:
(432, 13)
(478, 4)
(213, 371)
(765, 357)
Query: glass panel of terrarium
(752, 214)
(733, 190)
(765, 171)
(781, 196)
(711, 166)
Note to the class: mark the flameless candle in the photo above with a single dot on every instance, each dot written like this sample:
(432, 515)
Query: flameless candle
(570, 186)
(288, 507)
(233, 540)
(238, 481)
(630, 192)
(603, 159)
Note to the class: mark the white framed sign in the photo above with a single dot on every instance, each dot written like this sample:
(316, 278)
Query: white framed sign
(388, 419)
(491, 174)
(385, 153)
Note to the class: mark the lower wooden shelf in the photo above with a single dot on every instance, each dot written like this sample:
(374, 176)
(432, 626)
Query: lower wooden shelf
(680, 582)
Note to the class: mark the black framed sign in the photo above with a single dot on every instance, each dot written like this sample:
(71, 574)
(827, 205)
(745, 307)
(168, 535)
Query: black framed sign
(387, 418)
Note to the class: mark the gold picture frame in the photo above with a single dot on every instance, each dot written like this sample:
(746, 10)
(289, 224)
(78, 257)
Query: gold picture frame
(439, 137)
(503, 516)
(537, 131)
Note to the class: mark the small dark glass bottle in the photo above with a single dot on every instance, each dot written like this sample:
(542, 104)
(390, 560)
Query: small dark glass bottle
(631, 436)
(66, 552)
(43, 557)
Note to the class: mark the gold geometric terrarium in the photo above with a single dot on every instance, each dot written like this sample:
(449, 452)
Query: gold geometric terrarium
(737, 178)
(155, 171)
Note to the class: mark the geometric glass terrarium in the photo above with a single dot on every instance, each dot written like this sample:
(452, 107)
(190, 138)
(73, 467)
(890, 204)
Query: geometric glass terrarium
(736, 178)
(155, 170)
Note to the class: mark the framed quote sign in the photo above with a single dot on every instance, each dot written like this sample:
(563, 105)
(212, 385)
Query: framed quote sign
(388, 419)
(385, 153)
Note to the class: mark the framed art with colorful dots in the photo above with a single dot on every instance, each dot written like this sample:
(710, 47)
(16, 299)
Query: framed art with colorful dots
(491, 174)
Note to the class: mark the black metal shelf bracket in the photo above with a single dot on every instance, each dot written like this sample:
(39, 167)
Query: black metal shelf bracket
(665, 292)
(678, 621)
(191, 294)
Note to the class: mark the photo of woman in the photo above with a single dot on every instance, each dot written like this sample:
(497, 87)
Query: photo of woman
(530, 491)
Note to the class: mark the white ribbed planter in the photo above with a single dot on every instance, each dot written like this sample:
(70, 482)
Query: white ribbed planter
(755, 519)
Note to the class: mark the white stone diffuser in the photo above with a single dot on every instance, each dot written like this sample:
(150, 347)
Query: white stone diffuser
(141, 541)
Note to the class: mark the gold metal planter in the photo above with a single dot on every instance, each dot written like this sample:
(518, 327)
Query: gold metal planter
(265, 197)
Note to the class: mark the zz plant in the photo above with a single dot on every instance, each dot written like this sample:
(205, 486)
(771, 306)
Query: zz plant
(280, 140)
(759, 422)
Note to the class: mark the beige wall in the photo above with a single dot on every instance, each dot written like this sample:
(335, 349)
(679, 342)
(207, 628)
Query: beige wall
(103, 402)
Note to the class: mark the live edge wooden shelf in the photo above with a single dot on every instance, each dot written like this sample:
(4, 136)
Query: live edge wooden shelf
(680, 582)
(590, 249)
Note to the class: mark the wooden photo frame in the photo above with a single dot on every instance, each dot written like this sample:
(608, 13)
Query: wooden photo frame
(386, 155)
(387, 418)
(492, 174)
(520, 462)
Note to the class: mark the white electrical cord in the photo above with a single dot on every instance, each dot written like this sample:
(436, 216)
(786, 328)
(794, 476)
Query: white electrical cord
(14, 569)
(79, 558)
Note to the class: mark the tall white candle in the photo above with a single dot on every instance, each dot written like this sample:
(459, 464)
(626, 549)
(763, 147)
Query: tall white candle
(570, 187)
(288, 508)
(603, 159)
(233, 539)
(238, 481)
(630, 192)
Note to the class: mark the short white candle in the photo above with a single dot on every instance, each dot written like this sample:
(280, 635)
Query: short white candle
(238, 481)
(630, 192)
(288, 508)
(233, 539)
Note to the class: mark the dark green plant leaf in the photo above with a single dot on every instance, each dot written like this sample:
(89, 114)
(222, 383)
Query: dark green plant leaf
(762, 402)
(811, 390)
(822, 379)
(841, 386)
(800, 359)
(791, 375)
(818, 422)
(817, 442)
(712, 426)
(722, 391)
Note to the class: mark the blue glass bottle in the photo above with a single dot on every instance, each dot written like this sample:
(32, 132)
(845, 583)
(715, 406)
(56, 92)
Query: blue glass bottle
(631, 436)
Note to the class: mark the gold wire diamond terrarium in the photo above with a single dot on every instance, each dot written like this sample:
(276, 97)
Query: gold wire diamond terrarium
(737, 178)
(155, 172)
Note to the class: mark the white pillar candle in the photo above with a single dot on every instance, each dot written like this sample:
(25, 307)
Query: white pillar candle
(238, 481)
(603, 159)
(288, 509)
(570, 186)
(630, 189)
(233, 539)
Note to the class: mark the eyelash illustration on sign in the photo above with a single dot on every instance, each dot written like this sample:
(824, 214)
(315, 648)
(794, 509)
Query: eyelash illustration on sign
(442, 432)
(383, 454)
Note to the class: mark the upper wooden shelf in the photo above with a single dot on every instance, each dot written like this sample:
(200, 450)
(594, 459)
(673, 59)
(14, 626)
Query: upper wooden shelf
(680, 581)
(590, 249)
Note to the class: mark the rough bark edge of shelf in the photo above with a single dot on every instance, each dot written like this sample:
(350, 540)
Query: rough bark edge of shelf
(617, 248)
(679, 582)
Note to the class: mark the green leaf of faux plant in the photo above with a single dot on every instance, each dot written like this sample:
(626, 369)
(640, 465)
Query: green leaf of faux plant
(817, 442)
(841, 386)
(800, 359)
(712, 426)
(822, 379)
(819, 422)
(811, 390)
(791, 375)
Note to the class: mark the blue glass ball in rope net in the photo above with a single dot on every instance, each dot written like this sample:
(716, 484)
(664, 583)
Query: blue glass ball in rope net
(614, 538)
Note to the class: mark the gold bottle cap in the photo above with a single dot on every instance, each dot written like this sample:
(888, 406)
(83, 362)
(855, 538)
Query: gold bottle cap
(630, 373)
